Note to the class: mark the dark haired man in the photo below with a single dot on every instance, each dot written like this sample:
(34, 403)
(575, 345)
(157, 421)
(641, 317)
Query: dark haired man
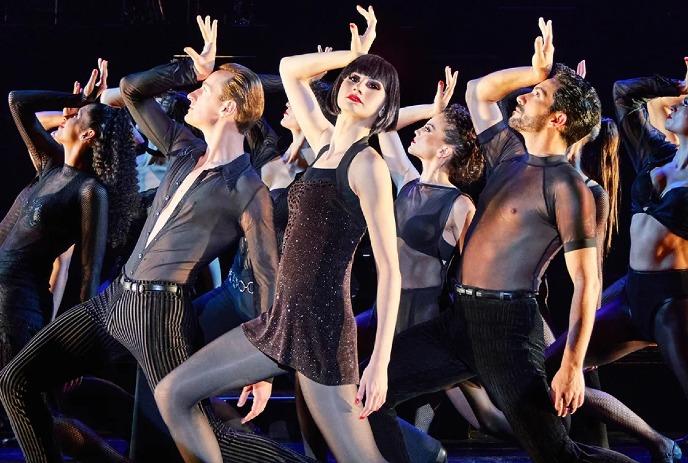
(533, 203)
(208, 199)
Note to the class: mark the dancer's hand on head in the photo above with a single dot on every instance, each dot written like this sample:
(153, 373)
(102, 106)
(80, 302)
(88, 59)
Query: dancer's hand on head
(568, 390)
(581, 69)
(97, 82)
(683, 84)
(204, 63)
(69, 112)
(372, 392)
(261, 394)
(543, 57)
(360, 44)
(445, 90)
(322, 74)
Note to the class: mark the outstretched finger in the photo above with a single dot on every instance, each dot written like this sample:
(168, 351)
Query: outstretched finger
(371, 13)
(90, 85)
(213, 31)
(77, 87)
(102, 83)
(244, 396)
(192, 54)
(360, 394)
(550, 33)
(201, 25)
(580, 68)
(362, 11)
(320, 49)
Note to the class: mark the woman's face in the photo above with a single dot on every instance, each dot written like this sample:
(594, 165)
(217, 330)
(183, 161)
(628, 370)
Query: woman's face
(76, 127)
(361, 96)
(677, 120)
(288, 120)
(429, 139)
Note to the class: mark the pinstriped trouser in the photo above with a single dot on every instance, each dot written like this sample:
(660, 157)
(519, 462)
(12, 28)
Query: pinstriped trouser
(160, 329)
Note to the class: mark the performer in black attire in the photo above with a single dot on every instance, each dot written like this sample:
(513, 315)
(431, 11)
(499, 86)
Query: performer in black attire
(88, 164)
(209, 197)
(649, 306)
(531, 206)
(311, 327)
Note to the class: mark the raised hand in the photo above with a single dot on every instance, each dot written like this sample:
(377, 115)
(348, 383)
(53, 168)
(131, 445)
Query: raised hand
(322, 74)
(543, 57)
(204, 63)
(97, 82)
(445, 90)
(683, 84)
(580, 69)
(360, 44)
(69, 112)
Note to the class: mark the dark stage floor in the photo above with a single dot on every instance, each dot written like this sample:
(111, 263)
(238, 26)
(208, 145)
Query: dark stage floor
(464, 453)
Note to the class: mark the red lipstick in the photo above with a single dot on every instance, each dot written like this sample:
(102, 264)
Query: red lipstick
(354, 98)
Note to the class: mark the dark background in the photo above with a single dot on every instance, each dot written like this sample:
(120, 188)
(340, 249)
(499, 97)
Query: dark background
(49, 44)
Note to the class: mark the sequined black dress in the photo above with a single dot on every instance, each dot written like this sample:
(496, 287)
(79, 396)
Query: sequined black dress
(311, 327)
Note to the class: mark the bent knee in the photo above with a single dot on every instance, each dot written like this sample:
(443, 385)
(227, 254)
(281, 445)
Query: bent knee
(169, 393)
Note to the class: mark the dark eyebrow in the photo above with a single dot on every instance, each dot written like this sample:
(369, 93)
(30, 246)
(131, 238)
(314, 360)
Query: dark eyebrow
(541, 89)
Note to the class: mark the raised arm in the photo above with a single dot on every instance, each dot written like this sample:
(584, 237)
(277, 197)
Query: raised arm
(483, 94)
(139, 91)
(256, 222)
(298, 71)
(643, 142)
(94, 231)
(445, 90)
(369, 179)
(400, 166)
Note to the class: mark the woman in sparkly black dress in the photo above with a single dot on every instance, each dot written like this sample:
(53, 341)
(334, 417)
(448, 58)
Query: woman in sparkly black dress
(311, 327)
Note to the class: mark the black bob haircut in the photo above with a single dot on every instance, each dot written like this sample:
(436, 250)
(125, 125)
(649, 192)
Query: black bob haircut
(379, 69)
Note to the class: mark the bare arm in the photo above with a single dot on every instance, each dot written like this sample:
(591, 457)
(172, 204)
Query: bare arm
(459, 220)
(445, 90)
(568, 385)
(369, 179)
(297, 72)
(400, 166)
(483, 94)
(58, 278)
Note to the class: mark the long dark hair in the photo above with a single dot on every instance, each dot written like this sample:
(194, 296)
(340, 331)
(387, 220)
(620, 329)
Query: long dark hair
(600, 162)
(114, 163)
(466, 165)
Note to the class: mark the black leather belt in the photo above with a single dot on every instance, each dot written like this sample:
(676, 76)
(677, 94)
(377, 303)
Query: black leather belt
(141, 286)
(492, 294)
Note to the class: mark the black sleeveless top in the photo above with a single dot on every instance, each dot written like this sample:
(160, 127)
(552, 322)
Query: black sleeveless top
(311, 326)
(421, 211)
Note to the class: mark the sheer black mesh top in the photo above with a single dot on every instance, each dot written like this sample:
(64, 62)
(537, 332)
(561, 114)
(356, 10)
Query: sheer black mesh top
(529, 208)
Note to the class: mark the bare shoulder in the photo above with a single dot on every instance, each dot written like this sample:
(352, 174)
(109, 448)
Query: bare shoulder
(369, 159)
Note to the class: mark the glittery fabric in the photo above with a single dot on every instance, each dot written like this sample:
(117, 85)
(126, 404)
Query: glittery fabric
(311, 326)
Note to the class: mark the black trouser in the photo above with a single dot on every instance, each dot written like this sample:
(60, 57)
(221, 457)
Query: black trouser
(159, 328)
(501, 342)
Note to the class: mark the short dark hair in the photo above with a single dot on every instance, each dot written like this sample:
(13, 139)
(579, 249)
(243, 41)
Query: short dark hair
(576, 98)
(376, 68)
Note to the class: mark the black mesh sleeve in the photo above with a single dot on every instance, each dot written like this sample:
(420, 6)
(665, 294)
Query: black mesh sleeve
(500, 143)
(94, 224)
(24, 104)
(643, 142)
(256, 222)
(574, 209)
(139, 91)
(262, 142)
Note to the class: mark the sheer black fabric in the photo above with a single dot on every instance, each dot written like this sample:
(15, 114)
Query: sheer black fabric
(64, 205)
(222, 205)
(530, 207)
(648, 148)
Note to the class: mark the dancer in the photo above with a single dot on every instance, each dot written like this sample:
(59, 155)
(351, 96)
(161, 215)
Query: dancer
(311, 326)
(533, 203)
(209, 197)
(652, 303)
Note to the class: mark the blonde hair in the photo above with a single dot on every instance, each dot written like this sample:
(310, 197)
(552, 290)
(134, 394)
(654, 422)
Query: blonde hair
(245, 89)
